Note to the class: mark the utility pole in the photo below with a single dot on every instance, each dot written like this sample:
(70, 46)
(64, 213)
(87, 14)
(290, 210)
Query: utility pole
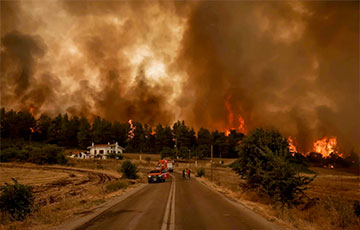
(211, 164)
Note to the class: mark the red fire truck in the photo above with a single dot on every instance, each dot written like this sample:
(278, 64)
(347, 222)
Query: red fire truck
(166, 164)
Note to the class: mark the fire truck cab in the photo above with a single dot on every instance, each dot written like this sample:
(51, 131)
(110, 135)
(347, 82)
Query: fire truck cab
(158, 175)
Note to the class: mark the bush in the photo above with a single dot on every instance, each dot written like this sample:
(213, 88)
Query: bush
(35, 153)
(266, 164)
(200, 172)
(116, 185)
(115, 156)
(129, 170)
(48, 154)
(17, 200)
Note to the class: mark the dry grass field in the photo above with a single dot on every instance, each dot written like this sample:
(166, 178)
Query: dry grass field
(65, 192)
(335, 189)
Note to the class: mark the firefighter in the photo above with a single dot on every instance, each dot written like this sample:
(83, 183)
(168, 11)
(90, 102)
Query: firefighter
(183, 173)
(189, 174)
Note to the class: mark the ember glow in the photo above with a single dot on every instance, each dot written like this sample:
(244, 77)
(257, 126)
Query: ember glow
(217, 65)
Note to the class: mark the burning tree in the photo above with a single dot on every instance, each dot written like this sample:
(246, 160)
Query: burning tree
(266, 163)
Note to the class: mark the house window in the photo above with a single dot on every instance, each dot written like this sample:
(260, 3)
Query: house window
(107, 151)
(95, 151)
(101, 151)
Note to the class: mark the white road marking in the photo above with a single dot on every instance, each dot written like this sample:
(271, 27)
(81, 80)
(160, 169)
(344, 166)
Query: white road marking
(170, 207)
(172, 217)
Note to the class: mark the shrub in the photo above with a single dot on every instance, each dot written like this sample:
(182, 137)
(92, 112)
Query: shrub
(116, 185)
(266, 164)
(129, 170)
(36, 153)
(16, 199)
(48, 154)
(200, 172)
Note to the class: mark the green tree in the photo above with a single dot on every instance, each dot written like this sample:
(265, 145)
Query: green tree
(84, 134)
(101, 131)
(163, 138)
(265, 162)
(54, 131)
(137, 143)
(42, 128)
(120, 133)
(184, 136)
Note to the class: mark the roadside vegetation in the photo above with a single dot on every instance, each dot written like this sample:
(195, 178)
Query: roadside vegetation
(129, 170)
(281, 186)
(200, 172)
(16, 200)
(267, 166)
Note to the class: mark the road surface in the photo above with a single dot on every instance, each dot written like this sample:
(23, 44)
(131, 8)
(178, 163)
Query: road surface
(178, 204)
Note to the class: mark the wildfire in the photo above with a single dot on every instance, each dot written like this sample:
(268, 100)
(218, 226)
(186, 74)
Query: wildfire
(230, 119)
(292, 147)
(326, 146)
(132, 129)
(31, 110)
(227, 132)
(32, 130)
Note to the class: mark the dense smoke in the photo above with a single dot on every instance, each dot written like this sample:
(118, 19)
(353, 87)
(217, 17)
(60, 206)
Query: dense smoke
(293, 66)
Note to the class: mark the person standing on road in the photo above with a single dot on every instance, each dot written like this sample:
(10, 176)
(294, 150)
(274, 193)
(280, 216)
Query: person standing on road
(189, 174)
(183, 173)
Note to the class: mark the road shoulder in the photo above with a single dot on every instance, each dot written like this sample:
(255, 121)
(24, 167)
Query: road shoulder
(84, 218)
(251, 213)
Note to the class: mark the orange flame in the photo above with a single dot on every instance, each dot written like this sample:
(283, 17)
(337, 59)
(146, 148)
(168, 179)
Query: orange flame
(132, 129)
(32, 130)
(326, 146)
(292, 147)
(230, 119)
(31, 110)
(227, 132)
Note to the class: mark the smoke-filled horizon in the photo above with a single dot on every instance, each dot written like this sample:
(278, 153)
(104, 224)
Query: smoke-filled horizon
(293, 66)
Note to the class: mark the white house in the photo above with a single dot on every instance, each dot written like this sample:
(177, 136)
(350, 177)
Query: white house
(102, 151)
(81, 155)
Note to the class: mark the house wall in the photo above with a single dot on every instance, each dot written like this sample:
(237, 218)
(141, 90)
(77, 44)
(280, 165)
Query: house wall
(105, 150)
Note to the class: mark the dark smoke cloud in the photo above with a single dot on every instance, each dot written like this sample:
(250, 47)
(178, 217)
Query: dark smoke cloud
(291, 65)
(20, 52)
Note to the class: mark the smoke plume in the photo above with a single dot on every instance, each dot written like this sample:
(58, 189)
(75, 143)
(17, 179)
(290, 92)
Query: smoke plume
(293, 66)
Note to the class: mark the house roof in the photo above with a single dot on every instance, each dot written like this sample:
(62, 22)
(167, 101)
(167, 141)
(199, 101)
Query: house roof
(104, 145)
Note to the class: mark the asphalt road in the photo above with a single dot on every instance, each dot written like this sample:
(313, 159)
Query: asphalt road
(178, 204)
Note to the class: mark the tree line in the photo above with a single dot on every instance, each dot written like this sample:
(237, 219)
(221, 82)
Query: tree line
(78, 132)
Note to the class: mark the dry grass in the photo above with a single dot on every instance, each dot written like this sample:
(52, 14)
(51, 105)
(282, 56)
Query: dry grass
(335, 189)
(64, 192)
